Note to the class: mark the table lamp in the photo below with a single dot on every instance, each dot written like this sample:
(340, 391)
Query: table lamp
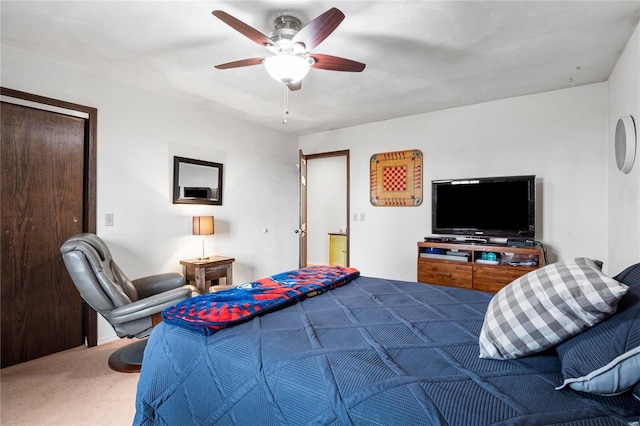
(203, 225)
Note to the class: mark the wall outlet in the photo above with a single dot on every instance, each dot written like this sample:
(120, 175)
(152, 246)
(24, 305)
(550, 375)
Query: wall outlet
(108, 219)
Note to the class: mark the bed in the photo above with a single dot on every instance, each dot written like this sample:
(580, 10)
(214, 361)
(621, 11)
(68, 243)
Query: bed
(380, 352)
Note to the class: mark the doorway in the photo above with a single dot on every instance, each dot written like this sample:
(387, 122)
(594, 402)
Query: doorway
(326, 207)
(48, 170)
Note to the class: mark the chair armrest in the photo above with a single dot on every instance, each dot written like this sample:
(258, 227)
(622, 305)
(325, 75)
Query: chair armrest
(146, 307)
(154, 284)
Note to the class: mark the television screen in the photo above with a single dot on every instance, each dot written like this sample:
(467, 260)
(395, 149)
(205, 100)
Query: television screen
(491, 207)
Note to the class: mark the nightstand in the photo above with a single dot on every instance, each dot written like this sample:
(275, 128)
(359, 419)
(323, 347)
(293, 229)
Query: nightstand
(208, 271)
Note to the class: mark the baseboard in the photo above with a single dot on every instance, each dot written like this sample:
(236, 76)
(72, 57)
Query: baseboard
(108, 339)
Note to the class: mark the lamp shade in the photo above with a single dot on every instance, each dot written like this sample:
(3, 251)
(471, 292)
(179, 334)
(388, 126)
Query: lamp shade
(287, 68)
(203, 225)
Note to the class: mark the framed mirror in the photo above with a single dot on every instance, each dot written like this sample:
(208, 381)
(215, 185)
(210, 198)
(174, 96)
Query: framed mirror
(196, 181)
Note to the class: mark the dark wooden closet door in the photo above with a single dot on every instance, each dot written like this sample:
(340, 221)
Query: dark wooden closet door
(42, 170)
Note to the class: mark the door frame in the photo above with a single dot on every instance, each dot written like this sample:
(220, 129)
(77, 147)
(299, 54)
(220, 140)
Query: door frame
(89, 213)
(308, 157)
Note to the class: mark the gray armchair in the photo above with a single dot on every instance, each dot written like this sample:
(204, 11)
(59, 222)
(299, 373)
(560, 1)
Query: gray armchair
(132, 307)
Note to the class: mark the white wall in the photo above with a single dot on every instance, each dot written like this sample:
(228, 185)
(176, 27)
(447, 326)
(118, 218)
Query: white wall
(326, 204)
(139, 132)
(559, 136)
(624, 189)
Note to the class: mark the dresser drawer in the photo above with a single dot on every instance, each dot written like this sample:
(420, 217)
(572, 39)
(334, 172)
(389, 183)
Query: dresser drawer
(451, 274)
(493, 278)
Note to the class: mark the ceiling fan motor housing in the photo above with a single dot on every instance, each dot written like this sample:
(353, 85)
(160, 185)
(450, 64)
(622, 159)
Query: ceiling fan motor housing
(287, 27)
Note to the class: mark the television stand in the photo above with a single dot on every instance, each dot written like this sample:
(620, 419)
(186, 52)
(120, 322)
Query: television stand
(463, 265)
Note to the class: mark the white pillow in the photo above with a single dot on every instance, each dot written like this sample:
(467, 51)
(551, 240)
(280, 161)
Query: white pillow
(546, 307)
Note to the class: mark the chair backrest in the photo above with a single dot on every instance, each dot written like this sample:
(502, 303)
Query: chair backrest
(97, 277)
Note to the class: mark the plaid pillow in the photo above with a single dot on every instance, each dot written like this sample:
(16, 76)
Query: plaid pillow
(546, 307)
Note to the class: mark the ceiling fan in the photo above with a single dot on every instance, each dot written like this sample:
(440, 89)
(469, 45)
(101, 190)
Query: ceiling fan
(289, 44)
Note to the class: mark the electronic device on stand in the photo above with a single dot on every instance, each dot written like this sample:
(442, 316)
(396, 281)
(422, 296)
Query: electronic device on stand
(521, 242)
(497, 207)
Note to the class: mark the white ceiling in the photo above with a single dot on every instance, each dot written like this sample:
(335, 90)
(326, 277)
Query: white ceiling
(421, 56)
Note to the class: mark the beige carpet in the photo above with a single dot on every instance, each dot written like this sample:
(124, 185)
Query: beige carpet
(74, 387)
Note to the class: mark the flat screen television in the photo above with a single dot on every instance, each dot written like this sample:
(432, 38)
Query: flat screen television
(486, 207)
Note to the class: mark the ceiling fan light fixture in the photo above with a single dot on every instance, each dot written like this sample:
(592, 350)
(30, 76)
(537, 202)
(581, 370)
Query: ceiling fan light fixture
(286, 68)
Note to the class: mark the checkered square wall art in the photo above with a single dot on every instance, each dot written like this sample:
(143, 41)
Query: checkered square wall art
(396, 178)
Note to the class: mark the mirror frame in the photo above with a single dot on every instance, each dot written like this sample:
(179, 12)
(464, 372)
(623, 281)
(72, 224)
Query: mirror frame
(176, 181)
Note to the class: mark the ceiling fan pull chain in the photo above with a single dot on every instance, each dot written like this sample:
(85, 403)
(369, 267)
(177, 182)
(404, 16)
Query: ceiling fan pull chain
(285, 113)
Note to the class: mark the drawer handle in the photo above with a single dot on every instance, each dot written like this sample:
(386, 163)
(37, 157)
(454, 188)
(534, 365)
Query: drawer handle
(446, 274)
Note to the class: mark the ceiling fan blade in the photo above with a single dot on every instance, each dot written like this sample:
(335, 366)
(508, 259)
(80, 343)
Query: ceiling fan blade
(320, 28)
(240, 63)
(335, 63)
(295, 86)
(243, 28)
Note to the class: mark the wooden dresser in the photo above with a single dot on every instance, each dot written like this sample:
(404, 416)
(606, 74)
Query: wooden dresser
(474, 265)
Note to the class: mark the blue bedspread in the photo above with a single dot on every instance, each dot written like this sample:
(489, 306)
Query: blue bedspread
(372, 352)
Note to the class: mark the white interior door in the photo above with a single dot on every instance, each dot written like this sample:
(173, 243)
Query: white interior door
(327, 211)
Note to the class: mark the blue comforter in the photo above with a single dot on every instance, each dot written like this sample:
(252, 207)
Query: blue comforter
(373, 352)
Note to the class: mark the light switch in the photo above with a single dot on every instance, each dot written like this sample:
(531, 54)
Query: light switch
(362, 217)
